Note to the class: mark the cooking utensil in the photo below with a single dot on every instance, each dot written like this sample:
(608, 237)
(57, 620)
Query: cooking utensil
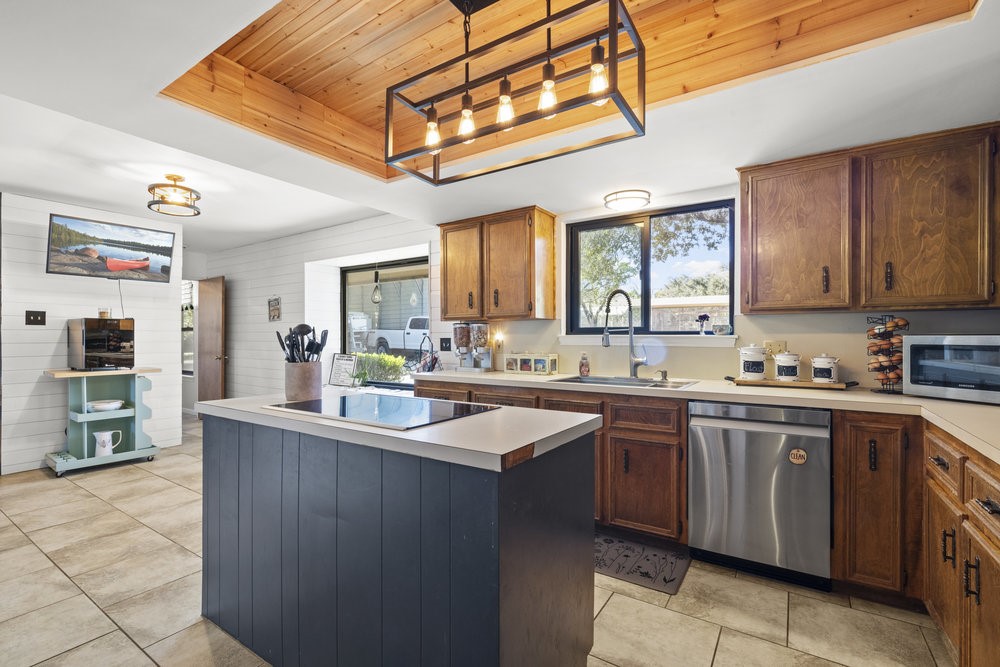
(281, 342)
(322, 342)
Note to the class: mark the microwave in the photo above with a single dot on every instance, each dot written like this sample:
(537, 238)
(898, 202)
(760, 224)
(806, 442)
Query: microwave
(101, 343)
(962, 368)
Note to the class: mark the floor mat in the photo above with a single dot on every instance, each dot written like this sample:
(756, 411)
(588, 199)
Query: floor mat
(659, 568)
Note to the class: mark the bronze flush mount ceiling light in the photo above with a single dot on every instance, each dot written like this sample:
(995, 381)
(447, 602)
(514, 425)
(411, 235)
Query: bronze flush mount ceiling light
(173, 198)
(494, 108)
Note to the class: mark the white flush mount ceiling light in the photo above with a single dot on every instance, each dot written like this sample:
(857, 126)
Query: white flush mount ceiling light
(173, 198)
(626, 200)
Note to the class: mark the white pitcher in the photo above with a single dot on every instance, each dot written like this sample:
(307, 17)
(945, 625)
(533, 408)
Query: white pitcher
(103, 445)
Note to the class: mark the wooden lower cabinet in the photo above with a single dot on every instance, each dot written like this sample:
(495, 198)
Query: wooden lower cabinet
(878, 507)
(943, 560)
(981, 617)
(644, 482)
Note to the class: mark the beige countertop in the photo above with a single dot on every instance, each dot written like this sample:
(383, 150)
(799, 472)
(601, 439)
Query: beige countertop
(975, 424)
(480, 441)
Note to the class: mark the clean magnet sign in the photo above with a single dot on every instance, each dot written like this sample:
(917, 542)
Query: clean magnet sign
(798, 456)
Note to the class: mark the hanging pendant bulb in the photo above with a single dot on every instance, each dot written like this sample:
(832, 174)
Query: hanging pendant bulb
(433, 136)
(377, 292)
(505, 110)
(548, 100)
(598, 74)
(466, 126)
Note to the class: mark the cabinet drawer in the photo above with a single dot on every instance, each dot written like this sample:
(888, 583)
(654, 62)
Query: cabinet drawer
(658, 417)
(944, 462)
(500, 398)
(586, 406)
(982, 499)
(441, 393)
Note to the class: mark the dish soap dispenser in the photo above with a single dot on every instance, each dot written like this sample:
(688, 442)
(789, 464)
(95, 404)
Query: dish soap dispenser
(584, 365)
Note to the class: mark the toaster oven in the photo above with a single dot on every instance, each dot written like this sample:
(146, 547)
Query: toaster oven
(101, 343)
(963, 368)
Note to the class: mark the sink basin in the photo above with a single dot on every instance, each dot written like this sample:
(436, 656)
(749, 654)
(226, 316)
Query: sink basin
(630, 382)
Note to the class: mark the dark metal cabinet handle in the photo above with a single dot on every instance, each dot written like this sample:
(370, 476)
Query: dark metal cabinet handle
(966, 580)
(470, 299)
(625, 461)
(826, 280)
(873, 455)
(944, 547)
(991, 506)
(888, 276)
(939, 462)
(496, 298)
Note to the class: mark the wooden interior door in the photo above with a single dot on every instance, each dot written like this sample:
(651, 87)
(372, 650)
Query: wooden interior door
(508, 246)
(796, 237)
(461, 271)
(211, 333)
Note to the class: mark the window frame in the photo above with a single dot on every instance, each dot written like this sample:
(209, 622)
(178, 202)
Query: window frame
(344, 270)
(572, 315)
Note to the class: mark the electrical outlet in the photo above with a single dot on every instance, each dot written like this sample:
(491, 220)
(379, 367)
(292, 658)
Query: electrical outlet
(446, 345)
(773, 347)
(34, 317)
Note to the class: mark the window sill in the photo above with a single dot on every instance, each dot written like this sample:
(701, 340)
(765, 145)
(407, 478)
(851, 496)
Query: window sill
(620, 340)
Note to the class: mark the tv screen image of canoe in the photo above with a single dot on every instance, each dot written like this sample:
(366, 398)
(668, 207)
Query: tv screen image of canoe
(79, 247)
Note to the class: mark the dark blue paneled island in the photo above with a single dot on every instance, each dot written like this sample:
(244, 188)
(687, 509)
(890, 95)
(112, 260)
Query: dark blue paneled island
(465, 542)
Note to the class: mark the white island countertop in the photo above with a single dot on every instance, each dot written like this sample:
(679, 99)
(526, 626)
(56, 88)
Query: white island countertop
(977, 425)
(494, 440)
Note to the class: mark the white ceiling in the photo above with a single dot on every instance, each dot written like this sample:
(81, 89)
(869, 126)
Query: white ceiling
(81, 122)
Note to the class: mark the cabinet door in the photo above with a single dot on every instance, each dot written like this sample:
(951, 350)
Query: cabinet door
(868, 502)
(508, 254)
(645, 485)
(461, 271)
(796, 237)
(926, 223)
(982, 601)
(588, 404)
(943, 534)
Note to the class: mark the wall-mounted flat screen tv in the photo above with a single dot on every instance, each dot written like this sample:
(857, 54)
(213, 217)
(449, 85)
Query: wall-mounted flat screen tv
(79, 247)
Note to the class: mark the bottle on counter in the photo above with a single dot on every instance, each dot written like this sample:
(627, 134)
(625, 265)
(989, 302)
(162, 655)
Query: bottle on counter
(584, 365)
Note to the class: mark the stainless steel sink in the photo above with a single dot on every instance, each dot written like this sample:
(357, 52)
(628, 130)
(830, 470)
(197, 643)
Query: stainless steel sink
(630, 382)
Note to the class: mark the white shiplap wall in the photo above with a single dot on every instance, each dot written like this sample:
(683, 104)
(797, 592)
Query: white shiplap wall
(34, 406)
(277, 268)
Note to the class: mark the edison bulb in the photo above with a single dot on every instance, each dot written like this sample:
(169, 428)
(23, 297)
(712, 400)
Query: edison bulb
(466, 125)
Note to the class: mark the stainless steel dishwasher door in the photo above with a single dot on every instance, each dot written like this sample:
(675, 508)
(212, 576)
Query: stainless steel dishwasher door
(760, 491)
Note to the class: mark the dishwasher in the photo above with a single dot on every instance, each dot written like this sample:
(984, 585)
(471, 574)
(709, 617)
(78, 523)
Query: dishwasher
(759, 481)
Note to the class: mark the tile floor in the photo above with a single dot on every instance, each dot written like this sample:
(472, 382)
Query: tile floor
(103, 567)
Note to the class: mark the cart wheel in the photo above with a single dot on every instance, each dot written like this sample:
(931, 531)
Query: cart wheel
(59, 474)
(150, 458)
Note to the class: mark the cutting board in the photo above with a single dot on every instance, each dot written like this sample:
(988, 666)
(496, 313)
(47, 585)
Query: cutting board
(801, 384)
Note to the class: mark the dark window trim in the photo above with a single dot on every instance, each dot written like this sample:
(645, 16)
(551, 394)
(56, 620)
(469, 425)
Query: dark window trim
(573, 230)
(394, 264)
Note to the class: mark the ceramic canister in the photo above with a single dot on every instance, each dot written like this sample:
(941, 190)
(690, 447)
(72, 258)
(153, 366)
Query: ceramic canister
(824, 368)
(752, 363)
(786, 366)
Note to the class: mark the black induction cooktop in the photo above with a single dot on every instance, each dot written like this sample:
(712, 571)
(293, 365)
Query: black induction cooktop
(385, 410)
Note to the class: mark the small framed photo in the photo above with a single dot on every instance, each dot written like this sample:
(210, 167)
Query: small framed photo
(510, 364)
(525, 364)
(541, 365)
(274, 309)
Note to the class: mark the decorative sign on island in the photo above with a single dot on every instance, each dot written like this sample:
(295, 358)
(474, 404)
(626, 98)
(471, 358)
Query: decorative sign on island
(342, 373)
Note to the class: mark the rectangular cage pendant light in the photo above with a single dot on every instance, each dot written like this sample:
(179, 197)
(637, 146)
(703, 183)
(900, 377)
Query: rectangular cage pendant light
(573, 80)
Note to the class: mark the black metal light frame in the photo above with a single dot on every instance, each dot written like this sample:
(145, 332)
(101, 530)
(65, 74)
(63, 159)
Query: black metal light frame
(636, 118)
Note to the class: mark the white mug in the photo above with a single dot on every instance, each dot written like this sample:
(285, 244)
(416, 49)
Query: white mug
(102, 442)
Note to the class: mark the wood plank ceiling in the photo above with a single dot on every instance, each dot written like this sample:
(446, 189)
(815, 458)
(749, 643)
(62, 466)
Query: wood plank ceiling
(313, 73)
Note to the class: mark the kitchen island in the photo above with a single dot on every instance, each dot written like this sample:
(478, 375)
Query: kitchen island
(464, 542)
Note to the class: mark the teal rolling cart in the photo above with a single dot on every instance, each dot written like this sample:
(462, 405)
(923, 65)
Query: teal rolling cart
(84, 386)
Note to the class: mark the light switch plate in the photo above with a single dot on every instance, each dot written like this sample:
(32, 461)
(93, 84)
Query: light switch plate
(446, 345)
(34, 317)
(773, 347)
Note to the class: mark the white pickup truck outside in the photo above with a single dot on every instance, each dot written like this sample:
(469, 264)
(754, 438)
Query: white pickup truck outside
(405, 342)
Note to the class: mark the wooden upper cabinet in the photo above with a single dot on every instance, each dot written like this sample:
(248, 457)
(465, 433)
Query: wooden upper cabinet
(505, 260)
(461, 271)
(927, 223)
(795, 251)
